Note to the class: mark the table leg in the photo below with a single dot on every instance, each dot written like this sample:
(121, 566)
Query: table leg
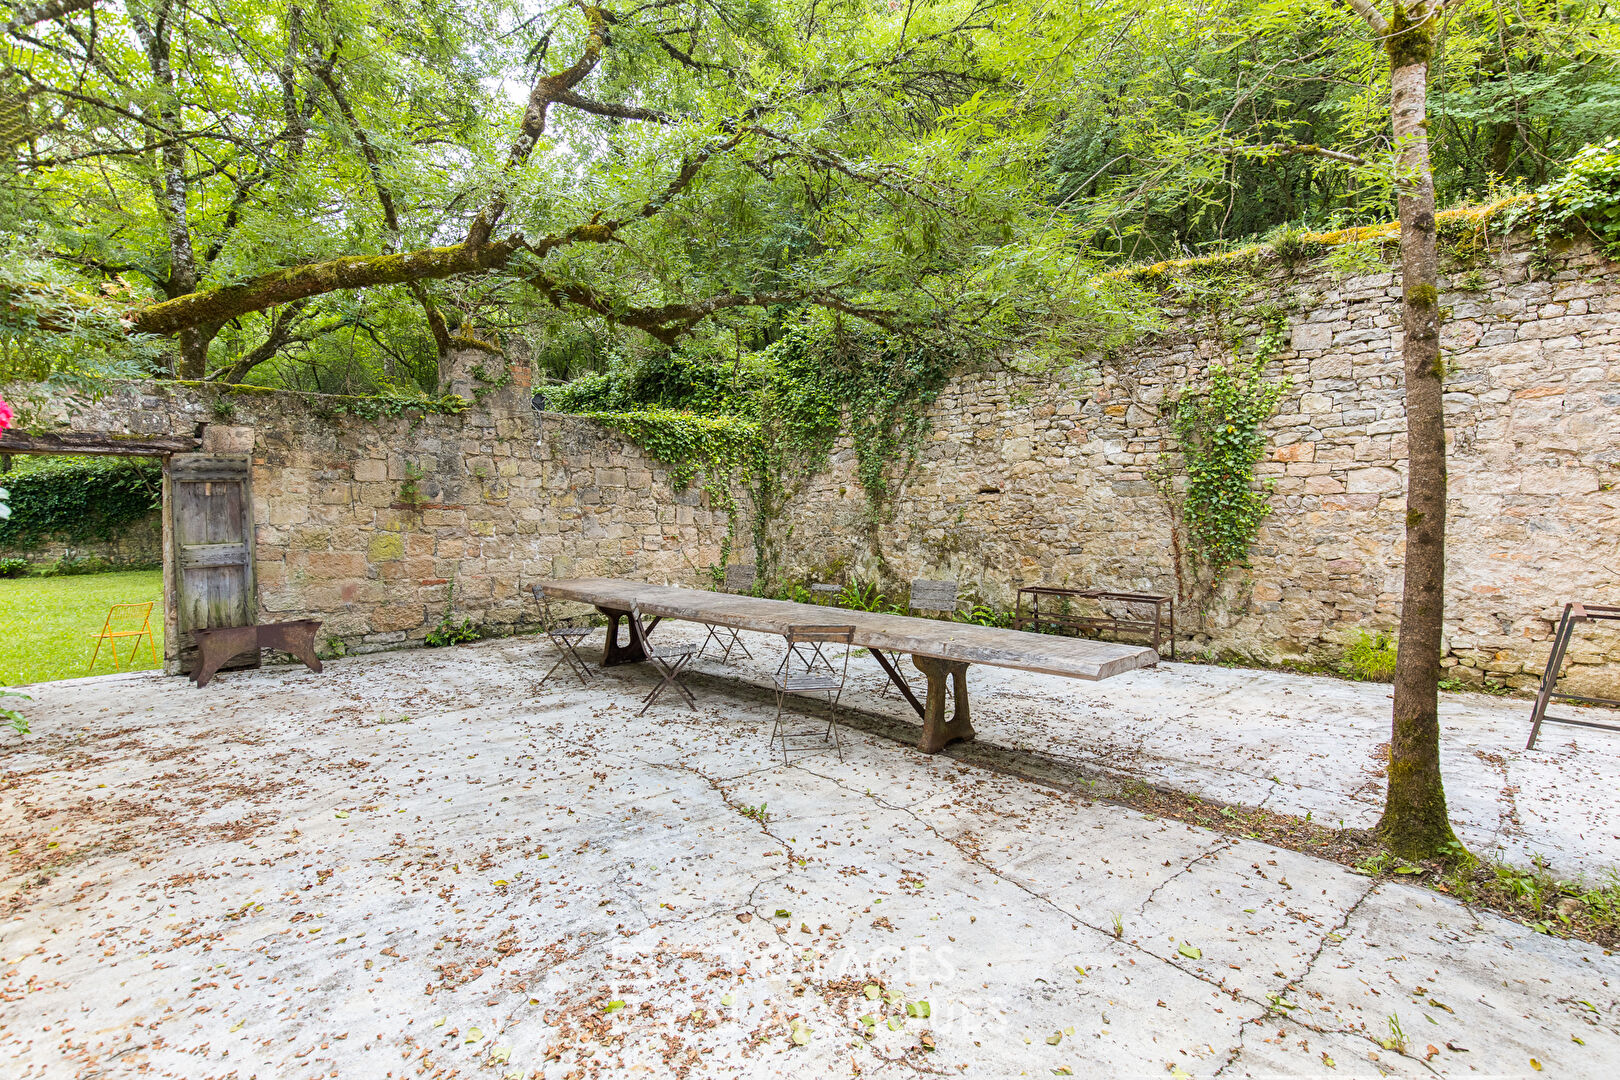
(894, 677)
(614, 653)
(937, 731)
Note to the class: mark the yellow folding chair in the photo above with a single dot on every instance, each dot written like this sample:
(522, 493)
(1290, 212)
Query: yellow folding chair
(142, 612)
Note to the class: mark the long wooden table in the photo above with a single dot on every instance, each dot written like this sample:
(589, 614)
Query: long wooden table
(941, 650)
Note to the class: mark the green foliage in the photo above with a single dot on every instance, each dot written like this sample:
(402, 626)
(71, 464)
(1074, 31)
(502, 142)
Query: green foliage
(53, 621)
(980, 614)
(1219, 430)
(1357, 257)
(72, 564)
(11, 568)
(866, 596)
(377, 406)
(79, 500)
(450, 632)
(410, 488)
(17, 721)
(1587, 195)
(1370, 657)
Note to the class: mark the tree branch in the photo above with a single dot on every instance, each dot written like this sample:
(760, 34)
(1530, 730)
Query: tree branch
(1371, 14)
(53, 9)
(1279, 149)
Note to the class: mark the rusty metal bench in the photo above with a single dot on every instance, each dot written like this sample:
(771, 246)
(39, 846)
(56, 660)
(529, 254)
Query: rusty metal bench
(217, 646)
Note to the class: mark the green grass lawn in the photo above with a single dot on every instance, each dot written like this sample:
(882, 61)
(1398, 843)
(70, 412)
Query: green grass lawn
(48, 625)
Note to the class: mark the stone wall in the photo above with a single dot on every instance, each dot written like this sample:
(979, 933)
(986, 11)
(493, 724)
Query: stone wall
(1023, 479)
(507, 497)
(1028, 480)
(140, 543)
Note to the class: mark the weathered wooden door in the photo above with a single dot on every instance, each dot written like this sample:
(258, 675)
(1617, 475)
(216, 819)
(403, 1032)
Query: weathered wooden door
(211, 501)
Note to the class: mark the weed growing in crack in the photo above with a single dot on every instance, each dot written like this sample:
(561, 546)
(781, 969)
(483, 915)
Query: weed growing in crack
(1119, 924)
(758, 813)
(1396, 1040)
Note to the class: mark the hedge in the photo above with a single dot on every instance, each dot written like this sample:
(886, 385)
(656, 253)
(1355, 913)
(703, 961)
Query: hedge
(79, 501)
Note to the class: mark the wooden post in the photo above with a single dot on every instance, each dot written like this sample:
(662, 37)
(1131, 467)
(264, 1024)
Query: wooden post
(937, 733)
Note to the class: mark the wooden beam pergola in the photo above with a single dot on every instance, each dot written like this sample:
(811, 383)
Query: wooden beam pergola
(96, 442)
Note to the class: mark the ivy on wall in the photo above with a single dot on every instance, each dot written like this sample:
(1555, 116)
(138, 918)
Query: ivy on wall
(768, 421)
(1220, 431)
(79, 501)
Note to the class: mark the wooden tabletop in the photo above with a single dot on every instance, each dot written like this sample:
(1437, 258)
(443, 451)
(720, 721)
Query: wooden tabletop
(1077, 658)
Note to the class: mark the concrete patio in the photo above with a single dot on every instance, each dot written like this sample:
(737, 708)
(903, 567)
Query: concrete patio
(419, 864)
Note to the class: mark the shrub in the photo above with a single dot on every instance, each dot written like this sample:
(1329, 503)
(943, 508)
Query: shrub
(1588, 194)
(79, 501)
(1370, 658)
(13, 567)
(453, 633)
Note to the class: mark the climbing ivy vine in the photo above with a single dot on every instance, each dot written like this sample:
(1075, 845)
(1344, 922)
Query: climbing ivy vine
(719, 452)
(767, 422)
(1219, 429)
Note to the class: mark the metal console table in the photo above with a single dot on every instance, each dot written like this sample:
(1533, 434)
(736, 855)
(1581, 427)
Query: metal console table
(1147, 614)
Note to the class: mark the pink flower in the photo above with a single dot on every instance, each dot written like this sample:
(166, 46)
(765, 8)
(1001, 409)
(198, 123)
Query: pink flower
(5, 414)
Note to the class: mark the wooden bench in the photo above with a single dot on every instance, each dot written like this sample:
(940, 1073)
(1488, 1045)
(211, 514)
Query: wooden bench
(217, 646)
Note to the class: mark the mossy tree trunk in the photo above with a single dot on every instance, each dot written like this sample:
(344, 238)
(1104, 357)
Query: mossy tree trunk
(1414, 823)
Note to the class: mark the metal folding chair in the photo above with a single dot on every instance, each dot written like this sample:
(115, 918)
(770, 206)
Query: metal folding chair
(670, 661)
(807, 670)
(565, 637)
(934, 596)
(740, 580)
(126, 615)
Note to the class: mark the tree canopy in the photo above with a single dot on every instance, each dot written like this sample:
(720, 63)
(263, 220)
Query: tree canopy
(321, 195)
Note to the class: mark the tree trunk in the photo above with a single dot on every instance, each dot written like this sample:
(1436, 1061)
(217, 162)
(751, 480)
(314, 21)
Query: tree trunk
(1414, 823)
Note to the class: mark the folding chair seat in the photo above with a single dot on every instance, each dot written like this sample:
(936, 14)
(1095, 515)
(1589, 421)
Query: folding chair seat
(670, 661)
(807, 670)
(740, 580)
(565, 636)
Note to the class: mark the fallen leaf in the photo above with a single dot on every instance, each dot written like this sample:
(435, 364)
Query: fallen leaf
(238, 1026)
(871, 991)
(1536, 1065)
(342, 813)
(728, 999)
(613, 1006)
(1455, 1049)
(1054, 1038)
(783, 913)
(473, 1035)
(1191, 952)
(1442, 1005)
(1432, 1052)
(926, 1041)
(745, 916)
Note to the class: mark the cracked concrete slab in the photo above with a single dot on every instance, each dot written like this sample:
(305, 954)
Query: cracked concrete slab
(1301, 744)
(423, 865)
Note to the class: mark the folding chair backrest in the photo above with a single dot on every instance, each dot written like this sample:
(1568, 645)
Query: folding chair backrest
(804, 645)
(740, 577)
(933, 595)
(547, 618)
(129, 618)
(638, 629)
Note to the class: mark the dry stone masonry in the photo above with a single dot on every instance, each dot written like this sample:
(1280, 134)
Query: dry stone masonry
(383, 528)
(1027, 479)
